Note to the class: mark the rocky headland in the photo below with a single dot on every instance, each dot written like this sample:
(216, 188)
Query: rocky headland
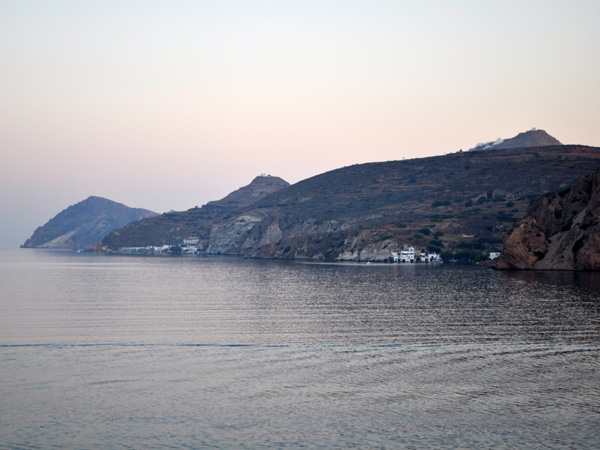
(82, 225)
(560, 231)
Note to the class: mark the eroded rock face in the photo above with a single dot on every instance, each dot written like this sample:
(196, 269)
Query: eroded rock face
(272, 235)
(226, 234)
(524, 246)
(560, 232)
(364, 247)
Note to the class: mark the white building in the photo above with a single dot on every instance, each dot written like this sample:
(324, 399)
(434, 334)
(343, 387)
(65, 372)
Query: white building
(433, 257)
(190, 241)
(407, 255)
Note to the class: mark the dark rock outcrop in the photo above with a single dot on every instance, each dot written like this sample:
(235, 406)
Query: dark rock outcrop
(560, 231)
(81, 225)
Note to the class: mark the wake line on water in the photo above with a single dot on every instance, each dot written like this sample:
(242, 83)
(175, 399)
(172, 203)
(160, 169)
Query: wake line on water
(569, 347)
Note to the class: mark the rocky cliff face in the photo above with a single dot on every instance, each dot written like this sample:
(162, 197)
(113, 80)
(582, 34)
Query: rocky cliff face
(81, 225)
(560, 231)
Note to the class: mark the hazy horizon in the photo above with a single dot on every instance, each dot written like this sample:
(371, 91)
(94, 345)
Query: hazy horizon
(167, 106)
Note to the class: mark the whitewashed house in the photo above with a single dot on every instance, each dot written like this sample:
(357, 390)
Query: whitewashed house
(407, 255)
(433, 257)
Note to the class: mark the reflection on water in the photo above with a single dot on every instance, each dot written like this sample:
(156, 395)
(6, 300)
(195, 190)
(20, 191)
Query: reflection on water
(584, 281)
(113, 352)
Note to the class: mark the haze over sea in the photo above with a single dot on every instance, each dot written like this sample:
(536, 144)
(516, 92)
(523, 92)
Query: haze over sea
(106, 351)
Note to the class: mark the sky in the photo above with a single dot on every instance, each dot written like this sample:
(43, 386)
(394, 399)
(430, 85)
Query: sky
(166, 105)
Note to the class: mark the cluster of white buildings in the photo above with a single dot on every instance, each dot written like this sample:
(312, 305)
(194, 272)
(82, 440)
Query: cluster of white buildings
(149, 250)
(189, 246)
(409, 256)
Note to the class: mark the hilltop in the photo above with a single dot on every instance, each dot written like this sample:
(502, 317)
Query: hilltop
(173, 227)
(531, 138)
(81, 225)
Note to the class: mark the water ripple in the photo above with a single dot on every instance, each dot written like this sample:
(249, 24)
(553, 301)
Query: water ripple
(107, 353)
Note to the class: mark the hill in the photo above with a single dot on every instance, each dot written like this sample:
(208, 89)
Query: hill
(171, 228)
(81, 225)
(561, 231)
(461, 204)
(531, 138)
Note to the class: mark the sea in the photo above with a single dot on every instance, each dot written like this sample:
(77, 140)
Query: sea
(124, 352)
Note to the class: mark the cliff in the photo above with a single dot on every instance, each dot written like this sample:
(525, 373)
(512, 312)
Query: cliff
(81, 225)
(560, 231)
(171, 228)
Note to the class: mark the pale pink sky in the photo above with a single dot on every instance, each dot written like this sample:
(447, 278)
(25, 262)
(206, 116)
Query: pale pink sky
(167, 105)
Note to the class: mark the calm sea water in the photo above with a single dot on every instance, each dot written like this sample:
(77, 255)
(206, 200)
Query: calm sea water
(116, 352)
